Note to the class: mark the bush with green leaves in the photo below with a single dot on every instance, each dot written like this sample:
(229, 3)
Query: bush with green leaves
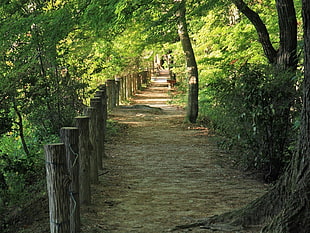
(20, 172)
(248, 106)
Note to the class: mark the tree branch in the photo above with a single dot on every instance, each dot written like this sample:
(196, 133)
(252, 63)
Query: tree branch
(261, 29)
(21, 130)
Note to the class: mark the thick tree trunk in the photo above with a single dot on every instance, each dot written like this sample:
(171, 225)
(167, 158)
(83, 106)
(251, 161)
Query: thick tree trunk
(191, 65)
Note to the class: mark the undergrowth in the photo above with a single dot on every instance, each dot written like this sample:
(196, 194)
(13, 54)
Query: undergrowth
(22, 178)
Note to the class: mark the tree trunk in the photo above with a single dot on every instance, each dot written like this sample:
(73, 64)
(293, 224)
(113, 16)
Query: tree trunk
(287, 53)
(21, 131)
(295, 214)
(191, 65)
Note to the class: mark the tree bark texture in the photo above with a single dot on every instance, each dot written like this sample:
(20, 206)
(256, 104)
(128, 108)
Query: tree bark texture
(286, 207)
(191, 64)
(58, 182)
(287, 53)
(21, 130)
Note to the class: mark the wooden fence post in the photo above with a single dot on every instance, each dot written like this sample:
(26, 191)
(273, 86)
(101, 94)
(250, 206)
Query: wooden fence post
(111, 87)
(126, 85)
(135, 83)
(109, 93)
(121, 90)
(103, 90)
(102, 121)
(129, 86)
(70, 137)
(140, 80)
(86, 155)
(92, 136)
(58, 181)
(97, 129)
(102, 94)
(117, 91)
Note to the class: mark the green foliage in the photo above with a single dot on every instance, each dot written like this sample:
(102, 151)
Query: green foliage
(20, 172)
(240, 95)
(55, 53)
(248, 106)
(38, 92)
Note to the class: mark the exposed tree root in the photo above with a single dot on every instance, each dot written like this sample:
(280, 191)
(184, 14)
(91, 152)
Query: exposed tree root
(210, 224)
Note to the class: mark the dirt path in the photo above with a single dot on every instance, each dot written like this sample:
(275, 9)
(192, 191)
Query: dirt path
(162, 173)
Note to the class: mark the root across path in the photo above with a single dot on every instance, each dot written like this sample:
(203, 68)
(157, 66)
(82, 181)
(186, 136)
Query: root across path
(162, 172)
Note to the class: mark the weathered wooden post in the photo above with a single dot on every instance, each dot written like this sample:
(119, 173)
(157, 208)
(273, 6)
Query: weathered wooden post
(58, 182)
(91, 112)
(109, 93)
(121, 90)
(135, 82)
(114, 93)
(103, 115)
(97, 129)
(139, 85)
(102, 94)
(146, 76)
(103, 90)
(70, 137)
(131, 84)
(117, 91)
(85, 155)
(126, 87)
(110, 83)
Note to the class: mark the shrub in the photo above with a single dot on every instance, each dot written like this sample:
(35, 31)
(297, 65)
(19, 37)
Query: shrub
(255, 108)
